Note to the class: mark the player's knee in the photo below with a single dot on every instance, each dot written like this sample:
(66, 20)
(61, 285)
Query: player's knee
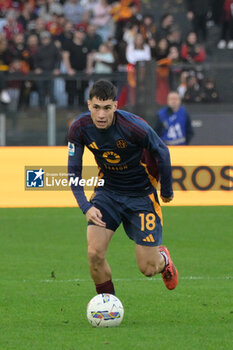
(95, 257)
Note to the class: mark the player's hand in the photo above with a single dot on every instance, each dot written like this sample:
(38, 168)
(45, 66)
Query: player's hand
(167, 199)
(94, 216)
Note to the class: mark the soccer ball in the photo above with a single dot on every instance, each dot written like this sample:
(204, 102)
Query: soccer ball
(105, 310)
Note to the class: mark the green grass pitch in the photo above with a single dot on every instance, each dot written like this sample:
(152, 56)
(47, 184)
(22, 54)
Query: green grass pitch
(45, 284)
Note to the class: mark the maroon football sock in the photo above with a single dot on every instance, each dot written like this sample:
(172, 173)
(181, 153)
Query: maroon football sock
(106, 287)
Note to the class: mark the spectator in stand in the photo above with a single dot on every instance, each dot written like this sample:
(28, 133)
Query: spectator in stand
(39, 27)
(210, 93)
(74, 11)
(85, 22)
(27, 15)
(5, 6)
(18, 56)
(56, 25)
(47, 60)
(4, 57)
(136, 14)
(174, 55)
(101, 62)
(216, 10)
(175, 67)
(122, 12)
(226, 25)
(138, 51)
(12, 27)
(120, 51)
(168, 69)
(111, 43)
(92, 40)
(75, 60)
(16, 87)
(193, 93)
(102, 19)
(17, 48)
(130, 31)
(66, 35)
(148, 27)
(197, 13)
(162, 71)
(89, 4)
(166, 23)
(32, 46)
(191, 50)
(50, 8)
(161, 49)
(153, 45)
(174, 37)
(173, 123)
(182, 88)
(4, 66)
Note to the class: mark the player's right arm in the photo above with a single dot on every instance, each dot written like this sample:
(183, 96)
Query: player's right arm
(75, 174)
(94, 215)
(76, 148)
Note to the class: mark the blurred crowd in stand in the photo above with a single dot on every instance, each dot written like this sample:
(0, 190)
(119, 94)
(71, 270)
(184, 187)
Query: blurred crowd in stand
(104, 36)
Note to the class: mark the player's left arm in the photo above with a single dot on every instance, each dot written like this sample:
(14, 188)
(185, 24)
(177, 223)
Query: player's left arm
(158, 128)
(167, 199)
(157, 147)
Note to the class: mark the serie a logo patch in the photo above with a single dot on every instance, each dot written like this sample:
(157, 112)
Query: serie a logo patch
(71, 149)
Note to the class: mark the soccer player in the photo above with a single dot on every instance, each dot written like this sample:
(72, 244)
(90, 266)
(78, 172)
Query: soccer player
(131, 158)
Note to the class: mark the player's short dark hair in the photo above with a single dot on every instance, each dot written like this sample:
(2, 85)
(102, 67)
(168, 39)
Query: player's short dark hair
(103, 90)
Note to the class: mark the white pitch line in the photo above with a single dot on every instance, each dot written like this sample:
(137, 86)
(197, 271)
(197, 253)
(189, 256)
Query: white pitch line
(137, 279)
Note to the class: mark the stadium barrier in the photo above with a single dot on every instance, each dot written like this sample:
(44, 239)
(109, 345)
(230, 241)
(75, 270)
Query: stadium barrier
(51, 125)
(202, 175)
(2, 129)
(145, 78)
(141, 90)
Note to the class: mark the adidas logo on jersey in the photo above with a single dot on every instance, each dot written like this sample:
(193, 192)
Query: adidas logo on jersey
(93, 145)
(149, 238)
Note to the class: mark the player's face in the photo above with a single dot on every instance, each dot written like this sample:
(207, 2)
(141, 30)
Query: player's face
(102, 112)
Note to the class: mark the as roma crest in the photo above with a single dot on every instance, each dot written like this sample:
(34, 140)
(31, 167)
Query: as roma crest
(121, 143)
